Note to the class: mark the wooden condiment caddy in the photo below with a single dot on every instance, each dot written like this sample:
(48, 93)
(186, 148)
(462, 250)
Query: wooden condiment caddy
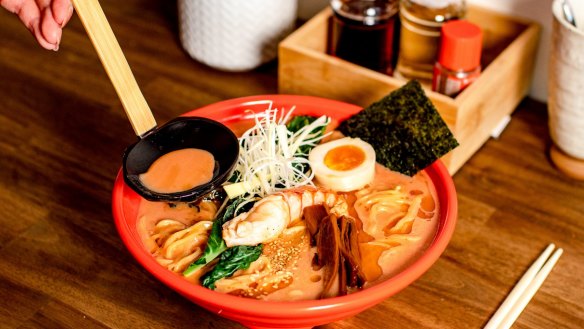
(508, 58)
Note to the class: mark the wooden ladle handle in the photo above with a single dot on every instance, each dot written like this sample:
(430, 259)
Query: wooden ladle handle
(116, 66)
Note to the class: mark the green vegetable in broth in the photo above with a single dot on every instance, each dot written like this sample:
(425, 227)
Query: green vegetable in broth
(215, 244)
(231, 260)
(299, 122)
(405, 129)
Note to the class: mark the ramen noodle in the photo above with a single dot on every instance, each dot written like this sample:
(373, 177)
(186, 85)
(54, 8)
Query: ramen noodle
(398, 216)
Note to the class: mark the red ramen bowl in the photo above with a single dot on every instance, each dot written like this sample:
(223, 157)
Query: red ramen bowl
(300, 314)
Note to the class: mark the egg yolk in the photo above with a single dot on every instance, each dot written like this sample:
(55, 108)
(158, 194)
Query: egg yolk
(345, 157)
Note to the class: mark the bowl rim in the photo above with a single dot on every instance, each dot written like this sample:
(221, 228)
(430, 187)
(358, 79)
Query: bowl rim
(294, 309)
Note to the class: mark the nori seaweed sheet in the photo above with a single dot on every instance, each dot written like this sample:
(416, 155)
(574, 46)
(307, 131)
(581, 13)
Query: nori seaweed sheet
(405, 129)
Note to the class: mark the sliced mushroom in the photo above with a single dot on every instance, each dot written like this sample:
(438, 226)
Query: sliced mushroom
(328, 245)
(350, 252)
(312, 216)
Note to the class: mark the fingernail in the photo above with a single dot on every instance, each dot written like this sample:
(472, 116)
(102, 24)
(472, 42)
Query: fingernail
(68, 17)
(57, 44)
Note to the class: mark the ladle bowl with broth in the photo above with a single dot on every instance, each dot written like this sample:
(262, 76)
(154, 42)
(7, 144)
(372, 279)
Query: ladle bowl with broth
(181, 161)
(304, 313)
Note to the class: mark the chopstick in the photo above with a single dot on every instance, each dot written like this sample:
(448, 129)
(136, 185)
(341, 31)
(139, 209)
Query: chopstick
(524, 290)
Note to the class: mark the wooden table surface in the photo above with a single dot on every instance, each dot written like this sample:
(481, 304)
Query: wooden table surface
(62, 133)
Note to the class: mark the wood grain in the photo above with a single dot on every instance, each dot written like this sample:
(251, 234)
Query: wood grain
(62, 134)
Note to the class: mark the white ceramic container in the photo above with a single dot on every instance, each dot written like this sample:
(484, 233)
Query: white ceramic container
(235, 35)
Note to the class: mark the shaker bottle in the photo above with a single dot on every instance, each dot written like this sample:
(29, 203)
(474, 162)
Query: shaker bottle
(421, 21)
(363, 32)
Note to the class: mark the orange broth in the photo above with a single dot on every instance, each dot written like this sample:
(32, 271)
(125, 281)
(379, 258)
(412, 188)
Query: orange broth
(380, 260)
(179, 170)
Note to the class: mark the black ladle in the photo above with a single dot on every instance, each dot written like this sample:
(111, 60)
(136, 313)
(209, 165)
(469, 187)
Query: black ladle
(180, 133)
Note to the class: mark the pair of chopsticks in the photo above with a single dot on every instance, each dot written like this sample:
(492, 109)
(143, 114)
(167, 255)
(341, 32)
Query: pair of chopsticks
(524, 290)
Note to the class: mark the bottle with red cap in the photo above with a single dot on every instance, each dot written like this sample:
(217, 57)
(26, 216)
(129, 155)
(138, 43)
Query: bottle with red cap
(459, 58)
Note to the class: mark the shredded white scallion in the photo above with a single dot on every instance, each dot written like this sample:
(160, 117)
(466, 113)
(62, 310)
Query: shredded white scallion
(269, 153)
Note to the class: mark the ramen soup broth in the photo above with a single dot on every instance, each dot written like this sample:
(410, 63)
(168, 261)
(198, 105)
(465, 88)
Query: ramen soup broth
(179, 171)
(390, 238)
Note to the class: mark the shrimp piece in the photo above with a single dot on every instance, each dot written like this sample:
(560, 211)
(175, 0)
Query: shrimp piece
(268, 218)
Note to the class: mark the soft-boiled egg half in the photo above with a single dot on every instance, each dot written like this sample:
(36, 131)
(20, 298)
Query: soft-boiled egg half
(343, 165)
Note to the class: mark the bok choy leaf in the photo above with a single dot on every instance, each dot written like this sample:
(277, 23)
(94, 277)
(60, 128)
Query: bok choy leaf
(215, 244)
(231, 260)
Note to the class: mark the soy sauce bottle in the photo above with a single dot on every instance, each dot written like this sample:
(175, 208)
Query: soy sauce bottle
(364, 32)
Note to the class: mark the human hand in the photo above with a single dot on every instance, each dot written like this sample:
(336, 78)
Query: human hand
(44, 18)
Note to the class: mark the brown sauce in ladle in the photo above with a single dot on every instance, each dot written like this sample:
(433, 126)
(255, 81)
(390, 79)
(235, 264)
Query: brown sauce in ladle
(179, 171)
